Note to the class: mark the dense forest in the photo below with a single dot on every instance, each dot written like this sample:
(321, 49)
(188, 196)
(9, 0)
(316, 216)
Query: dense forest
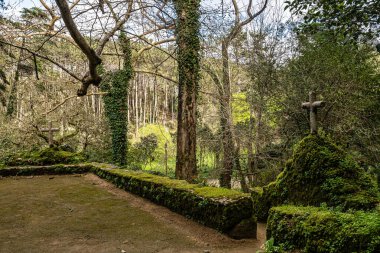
(188, 125)
(206, 91)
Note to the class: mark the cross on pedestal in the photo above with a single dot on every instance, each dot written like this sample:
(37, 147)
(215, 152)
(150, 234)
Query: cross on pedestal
(50, 130)
(312, 106)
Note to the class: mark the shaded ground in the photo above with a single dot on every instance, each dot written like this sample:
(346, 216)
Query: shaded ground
(86, 214)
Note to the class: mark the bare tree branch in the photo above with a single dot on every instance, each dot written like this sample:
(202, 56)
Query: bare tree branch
(94, 60)
(43, 57)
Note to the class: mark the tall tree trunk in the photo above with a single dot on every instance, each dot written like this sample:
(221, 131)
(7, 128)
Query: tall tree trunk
(226, 121)
(187, 31)
(145, 96)
(258, 135)
(136, 108)
(12, 100)
(243, 182)
(115, 102)
(250, 145)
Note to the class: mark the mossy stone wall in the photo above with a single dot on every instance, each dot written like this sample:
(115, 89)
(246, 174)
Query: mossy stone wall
(313, 229)
(219, 208)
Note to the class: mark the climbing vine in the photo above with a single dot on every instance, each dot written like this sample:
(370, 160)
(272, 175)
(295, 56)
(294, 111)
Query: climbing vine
(115, 102)
(187, 32)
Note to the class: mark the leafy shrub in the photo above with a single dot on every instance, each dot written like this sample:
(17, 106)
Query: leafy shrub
(313, 229)
(143, 151)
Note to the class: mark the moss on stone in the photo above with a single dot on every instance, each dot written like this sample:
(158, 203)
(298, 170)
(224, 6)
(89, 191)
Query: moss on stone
(46, 156)
(221, 209)
(207, 192)
(321, 172)
(313, 229)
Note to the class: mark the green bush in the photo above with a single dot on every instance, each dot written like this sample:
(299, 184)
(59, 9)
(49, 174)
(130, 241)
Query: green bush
(313, 229)
(320, 172)
(163, 136)
(142, 153)
(46, 156)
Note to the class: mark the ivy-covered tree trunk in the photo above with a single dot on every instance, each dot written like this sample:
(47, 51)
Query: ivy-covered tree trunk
(116, 103)
(187, 31)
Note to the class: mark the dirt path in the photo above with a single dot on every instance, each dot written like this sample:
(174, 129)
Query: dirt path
(86, 214)
(207, 237)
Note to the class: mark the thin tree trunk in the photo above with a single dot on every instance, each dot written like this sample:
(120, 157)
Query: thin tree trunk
(136, 110)
(145, 96)
(257, 138)
(250, 146)
(226, 122)
(243, 182)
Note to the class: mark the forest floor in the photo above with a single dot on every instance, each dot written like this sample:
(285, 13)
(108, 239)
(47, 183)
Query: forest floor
(83, 213)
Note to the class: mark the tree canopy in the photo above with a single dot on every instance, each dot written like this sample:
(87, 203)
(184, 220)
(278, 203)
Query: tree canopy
(355, 19)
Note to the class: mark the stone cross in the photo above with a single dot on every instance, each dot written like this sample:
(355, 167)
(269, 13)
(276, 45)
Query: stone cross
(50, 130)
(312, 106)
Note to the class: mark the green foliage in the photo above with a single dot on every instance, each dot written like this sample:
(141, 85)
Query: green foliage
(355, 19)
(347, 77)
(320, 172)
(163, 136)
(240, 108)
(115, 103)
(143, 151)
(313, 229)
(34, 14)
(46, 156)
(156, 162)
(270, 247)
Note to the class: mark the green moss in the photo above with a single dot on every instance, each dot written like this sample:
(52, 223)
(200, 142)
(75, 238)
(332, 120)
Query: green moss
(257, 190)
(46, 156)
(313, 229)
(213, 192)
(221, 209)
(208, 192)
(320, 172)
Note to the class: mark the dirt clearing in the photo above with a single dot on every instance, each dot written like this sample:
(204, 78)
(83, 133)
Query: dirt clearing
(83, 213)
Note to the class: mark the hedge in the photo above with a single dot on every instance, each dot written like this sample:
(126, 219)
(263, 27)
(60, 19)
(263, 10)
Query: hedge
(226, 210)
(313, 229)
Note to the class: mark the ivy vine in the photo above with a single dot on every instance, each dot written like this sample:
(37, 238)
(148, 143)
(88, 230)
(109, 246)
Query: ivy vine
(115, 102)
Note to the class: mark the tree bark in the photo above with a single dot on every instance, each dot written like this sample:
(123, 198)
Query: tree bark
(226, 121)
(187, 31)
